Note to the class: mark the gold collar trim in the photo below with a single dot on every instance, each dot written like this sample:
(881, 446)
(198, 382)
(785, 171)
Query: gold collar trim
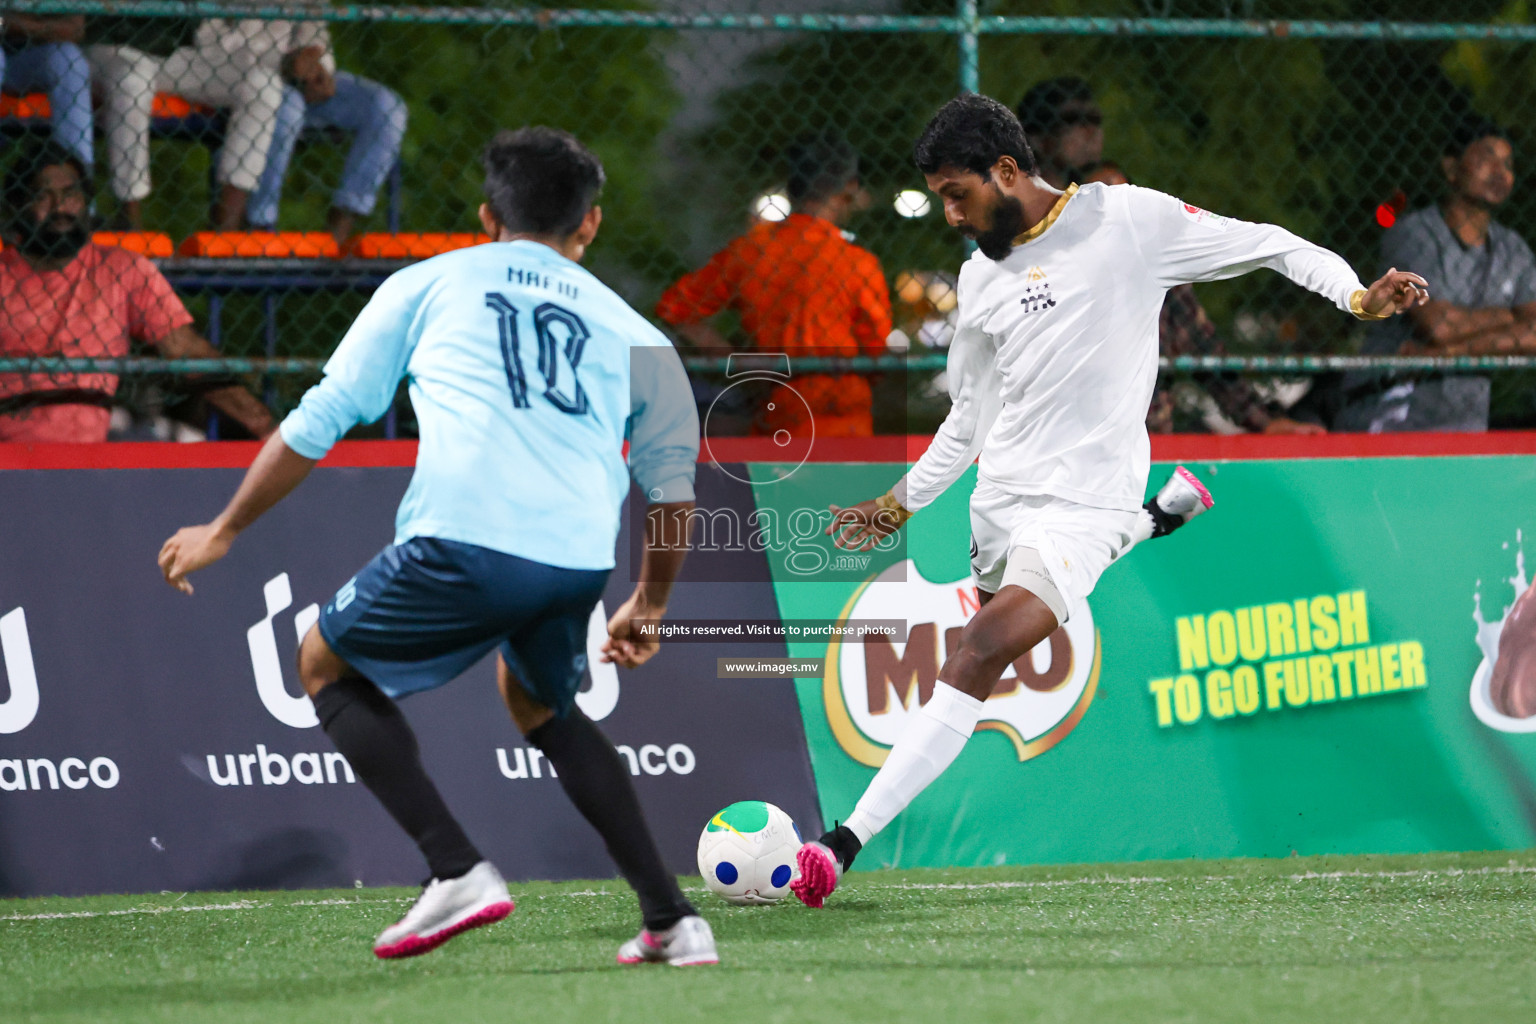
(1049, 219)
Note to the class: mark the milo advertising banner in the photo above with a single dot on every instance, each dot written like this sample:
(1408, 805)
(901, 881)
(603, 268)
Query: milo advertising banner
(1339, 658)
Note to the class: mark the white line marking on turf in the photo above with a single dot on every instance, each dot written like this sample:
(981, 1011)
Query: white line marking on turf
(1512, 869)
(1308, 876)
(1044, 884)
(236, 905)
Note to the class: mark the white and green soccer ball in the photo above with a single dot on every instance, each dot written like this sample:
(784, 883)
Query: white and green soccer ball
(747, 853)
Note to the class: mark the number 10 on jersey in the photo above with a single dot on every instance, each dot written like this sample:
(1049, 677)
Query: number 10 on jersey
(561, 336)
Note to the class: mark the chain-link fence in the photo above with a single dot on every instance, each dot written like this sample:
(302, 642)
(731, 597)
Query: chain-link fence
(340, 142)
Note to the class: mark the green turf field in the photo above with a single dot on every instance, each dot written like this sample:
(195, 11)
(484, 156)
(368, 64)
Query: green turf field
(1355, 939)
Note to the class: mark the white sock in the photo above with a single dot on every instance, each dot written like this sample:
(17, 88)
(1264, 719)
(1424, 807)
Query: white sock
(929, 744)
(1143, 529)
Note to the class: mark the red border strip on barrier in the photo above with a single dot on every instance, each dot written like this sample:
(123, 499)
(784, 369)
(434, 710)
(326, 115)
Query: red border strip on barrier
(1165, 448)
(1232, 447)
(204, 455)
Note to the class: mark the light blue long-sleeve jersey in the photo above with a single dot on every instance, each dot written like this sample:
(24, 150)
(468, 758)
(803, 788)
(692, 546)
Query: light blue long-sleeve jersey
(526, 373)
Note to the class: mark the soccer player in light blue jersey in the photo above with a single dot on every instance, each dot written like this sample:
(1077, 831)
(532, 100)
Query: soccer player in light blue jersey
(527, 374)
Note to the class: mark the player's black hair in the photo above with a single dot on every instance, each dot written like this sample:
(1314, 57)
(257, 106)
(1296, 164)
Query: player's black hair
(1040, 109)
(1468, 129)
(33, 154)
(972, 131)
(820, 165)
(540, 181)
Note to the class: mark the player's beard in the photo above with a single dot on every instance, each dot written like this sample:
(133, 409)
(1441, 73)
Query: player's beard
(996, 242)
(59, 236)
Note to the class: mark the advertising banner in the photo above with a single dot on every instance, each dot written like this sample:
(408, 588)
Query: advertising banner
(1339, 658)
(151, 741)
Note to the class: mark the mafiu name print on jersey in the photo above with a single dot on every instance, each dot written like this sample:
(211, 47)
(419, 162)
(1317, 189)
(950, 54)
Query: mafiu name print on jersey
(1037, 294)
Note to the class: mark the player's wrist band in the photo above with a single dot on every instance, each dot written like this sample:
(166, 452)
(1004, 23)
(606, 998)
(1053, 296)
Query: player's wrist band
(887, 503)
(1361, 313)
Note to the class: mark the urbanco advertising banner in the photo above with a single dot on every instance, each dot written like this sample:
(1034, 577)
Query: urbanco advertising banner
(150, 740)
(1340, 657)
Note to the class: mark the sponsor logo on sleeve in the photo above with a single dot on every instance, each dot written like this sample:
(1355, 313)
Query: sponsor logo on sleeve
(1206, 217)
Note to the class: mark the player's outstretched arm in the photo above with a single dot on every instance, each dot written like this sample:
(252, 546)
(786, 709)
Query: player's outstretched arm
(277, 470)
(1185, 244)
(667, 537)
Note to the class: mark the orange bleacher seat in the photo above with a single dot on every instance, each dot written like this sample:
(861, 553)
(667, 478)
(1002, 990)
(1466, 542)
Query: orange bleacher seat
(165, 105)
(172, 106)
(146, 243)
(412, 245)
(261, 244)
(29, 106)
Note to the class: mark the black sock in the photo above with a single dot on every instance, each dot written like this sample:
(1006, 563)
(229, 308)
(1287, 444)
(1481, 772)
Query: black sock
(597, 780)
(1163, 523)
(378, 743)
(843, 844)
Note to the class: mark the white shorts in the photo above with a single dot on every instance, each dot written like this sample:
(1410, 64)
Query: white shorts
(1076, 542)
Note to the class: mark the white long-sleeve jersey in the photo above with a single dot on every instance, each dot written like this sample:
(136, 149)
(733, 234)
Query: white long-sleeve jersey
(1055, 354)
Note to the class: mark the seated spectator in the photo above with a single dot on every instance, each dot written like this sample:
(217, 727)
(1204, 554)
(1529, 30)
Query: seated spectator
(1184, 329)
(62, 295)
(800, 286)
(1482, 294)
(40, 55)
(320, 97)
(214, 62)
(1064, 126)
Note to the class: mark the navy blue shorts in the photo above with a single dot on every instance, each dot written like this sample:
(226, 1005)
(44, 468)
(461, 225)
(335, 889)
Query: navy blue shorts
(423, 612)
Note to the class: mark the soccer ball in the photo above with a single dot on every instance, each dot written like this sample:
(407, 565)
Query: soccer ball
(747, 853)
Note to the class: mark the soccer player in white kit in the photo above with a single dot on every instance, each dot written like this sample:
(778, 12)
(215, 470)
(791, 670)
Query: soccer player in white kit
(1050, 375)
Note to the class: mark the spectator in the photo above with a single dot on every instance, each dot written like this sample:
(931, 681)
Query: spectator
(216, 62)
(40, 55)
(1482, 294)
(1065, 127)
(62, 295)
(800, 286)
(1184, 329)
(319, 96)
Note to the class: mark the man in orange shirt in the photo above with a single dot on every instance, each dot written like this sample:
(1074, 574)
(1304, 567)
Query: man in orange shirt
(800, 287)
(62, 295)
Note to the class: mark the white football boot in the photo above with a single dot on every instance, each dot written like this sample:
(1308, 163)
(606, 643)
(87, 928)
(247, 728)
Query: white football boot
(444, 909)
(1177, 502)
(689, 943)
